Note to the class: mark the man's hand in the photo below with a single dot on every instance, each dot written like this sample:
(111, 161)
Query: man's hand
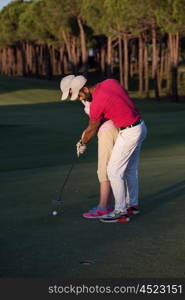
(80, 148)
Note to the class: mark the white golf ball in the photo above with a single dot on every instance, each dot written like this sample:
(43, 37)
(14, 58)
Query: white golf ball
(54, 213)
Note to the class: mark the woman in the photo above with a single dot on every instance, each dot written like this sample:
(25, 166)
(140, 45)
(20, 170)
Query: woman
(107, 134)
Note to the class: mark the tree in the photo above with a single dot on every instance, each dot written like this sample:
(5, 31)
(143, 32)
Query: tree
(125, 19)
(67, 18)
(9, 27)
(96, 16)
(35, 17)
(170, 18)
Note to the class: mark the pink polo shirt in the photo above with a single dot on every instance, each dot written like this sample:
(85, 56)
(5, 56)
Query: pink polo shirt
(110, 100)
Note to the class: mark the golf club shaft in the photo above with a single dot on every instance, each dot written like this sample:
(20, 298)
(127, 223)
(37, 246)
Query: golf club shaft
(66, 179)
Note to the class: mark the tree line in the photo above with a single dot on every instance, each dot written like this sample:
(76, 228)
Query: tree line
(140, 39)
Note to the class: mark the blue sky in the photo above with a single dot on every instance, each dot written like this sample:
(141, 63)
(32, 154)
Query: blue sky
(4, 3)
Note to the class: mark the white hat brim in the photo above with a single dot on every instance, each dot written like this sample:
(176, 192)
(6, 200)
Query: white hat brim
(74, 95)
(65, 95)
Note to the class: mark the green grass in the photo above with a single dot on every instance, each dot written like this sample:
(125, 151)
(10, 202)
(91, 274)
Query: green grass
(38, 136)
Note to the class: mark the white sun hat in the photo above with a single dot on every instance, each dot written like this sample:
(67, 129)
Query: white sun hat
(77, 83)
(65, 85)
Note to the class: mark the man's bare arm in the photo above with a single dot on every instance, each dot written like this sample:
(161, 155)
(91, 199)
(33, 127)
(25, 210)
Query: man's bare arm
(90, 131)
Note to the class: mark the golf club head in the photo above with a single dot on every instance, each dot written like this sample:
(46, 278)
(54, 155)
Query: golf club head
(56, 207)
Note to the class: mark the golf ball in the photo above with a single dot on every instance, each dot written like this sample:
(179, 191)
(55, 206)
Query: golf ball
(54, 213)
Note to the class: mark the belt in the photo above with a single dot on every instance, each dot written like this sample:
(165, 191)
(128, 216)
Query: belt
(132, 125)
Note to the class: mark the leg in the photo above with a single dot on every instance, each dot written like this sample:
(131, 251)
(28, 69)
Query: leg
(126, 192)
(127, 142)
(106, 141)
(131, 177)
(105, 194)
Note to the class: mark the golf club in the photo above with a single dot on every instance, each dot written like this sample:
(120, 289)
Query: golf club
(57, 203)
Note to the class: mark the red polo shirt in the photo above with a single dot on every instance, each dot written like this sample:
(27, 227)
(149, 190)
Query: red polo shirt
(111, 101)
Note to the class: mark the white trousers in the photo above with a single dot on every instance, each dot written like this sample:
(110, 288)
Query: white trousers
(123, 166)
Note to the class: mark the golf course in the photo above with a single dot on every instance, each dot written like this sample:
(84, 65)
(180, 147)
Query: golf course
(38, 134)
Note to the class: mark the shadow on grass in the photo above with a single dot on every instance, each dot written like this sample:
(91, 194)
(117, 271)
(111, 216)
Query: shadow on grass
(154, 201)
(16, 83)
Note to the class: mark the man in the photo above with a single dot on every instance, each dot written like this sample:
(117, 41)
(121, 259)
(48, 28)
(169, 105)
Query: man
(107, 134)
(110, 101)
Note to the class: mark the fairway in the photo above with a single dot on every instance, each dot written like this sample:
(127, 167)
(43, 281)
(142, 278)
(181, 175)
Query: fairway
(38, 137)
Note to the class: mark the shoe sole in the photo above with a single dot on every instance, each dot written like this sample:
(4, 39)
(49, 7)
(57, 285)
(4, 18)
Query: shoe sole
(124, 220)
(93, 217)
(116, 220)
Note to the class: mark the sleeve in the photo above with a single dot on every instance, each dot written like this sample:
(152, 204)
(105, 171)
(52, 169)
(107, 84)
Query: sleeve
(96, 111)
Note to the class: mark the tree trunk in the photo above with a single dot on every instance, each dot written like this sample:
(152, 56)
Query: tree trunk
(120, 61)
(10, 62)
(58, 61)
(27, 51)
(132, 61)
(62, 47)
(146, 74)
(66, 64)
(32, 65)
(23, 56)
(42, 69)
(52, 58)
(102, 59)
(74, 55)
(19, 61)
(83, 47)
(112, 60)
(168, 73)
(174, 58)
(161, 70)
(126, 62)
(48, 67)
(141, 66)
(36, 62)
(109, 57)
(155, 62)
(54, 53)
(154, 52)
(41, 60)
(4, 61)
(68, 47)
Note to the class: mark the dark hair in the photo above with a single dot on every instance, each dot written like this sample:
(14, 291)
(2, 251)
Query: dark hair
(82, 89)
